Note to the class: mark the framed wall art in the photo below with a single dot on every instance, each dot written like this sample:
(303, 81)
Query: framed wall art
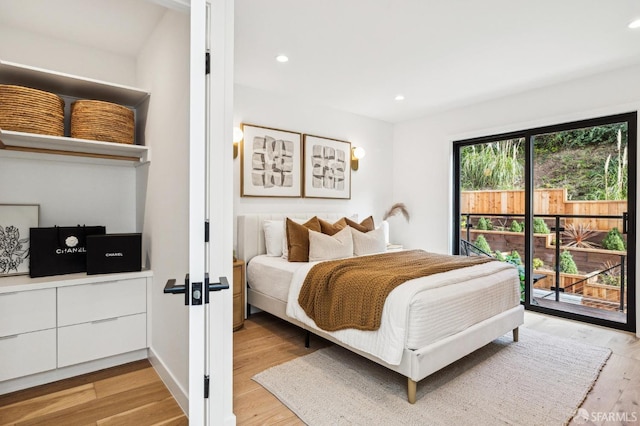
(327, 170)
(15, 221)
(270, 162)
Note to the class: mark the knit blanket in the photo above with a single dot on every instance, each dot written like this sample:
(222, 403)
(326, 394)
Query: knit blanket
(350, 293)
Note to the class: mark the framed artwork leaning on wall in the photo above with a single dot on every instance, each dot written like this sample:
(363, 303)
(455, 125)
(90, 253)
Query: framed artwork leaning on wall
(15, 222)
(270, 162)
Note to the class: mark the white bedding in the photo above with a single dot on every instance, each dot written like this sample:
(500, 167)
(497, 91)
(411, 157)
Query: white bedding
(417, 313)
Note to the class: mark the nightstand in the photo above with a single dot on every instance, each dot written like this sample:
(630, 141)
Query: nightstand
(238, 294)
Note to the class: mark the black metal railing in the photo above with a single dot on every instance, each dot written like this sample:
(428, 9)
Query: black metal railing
(556, 229)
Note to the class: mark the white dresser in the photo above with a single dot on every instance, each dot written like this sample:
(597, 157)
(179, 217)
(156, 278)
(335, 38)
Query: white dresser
(56, 327)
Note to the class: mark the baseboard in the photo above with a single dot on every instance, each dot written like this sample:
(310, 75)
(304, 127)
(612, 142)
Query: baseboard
(70, 371)
(178, 392)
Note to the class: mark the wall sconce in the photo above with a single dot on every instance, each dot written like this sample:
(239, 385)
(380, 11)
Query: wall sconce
(237, 137)
(357, 152)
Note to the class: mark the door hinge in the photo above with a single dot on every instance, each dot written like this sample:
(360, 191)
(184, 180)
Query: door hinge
(206, 231)
(206, 387)
(207, 65)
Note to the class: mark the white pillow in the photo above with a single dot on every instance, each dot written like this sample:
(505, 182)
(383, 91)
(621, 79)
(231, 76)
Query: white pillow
(273, 236)
(368, 242)
(327, 247)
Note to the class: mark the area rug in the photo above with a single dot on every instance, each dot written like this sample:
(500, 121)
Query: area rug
(540, 380)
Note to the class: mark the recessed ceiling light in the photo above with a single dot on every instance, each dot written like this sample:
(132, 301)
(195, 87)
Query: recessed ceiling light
(282, 58)
(635, 24)
(399, 98)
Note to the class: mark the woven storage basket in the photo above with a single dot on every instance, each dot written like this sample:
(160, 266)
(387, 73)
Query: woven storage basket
(102, 121)
(23, 109)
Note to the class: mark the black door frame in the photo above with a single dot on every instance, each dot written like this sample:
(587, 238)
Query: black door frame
(631, 118)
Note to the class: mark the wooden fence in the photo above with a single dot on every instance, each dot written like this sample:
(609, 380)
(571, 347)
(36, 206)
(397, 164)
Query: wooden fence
(545, 201)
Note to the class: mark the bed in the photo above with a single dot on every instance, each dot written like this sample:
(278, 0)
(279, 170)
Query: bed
(427, 330)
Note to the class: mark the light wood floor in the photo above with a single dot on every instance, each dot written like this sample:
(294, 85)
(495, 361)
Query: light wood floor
(134, 395)
(131, 394)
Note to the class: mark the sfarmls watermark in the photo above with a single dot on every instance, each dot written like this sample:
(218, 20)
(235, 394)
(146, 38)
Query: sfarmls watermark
(583, 416)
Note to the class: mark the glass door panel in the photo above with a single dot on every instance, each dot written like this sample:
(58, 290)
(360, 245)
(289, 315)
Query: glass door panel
(580, 234)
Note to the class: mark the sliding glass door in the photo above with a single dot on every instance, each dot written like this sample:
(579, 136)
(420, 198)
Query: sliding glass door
(559, 203)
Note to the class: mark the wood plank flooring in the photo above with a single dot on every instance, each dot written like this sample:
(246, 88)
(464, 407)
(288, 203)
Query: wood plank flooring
(133, 394)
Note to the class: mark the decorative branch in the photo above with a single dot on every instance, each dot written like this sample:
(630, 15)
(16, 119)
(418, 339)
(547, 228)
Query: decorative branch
(397, 208)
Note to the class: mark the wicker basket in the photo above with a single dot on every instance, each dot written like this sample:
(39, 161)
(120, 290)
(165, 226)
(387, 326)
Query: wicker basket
(23, 109)
(102, 121)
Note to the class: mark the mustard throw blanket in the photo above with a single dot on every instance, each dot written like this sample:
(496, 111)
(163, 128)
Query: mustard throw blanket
(350, 293)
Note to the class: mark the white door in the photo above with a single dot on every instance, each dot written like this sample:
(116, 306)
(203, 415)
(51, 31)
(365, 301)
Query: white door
(210, 201)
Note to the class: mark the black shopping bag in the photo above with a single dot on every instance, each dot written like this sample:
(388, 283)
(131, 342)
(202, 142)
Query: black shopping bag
(59, 250)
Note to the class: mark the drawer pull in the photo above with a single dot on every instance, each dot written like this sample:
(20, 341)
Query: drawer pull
(104, 320)
(13, 336)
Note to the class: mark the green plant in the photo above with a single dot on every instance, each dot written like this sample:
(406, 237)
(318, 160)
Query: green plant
(514, 259)
(540, 227)
(482, 244)
(567, 264)
(611, 274)
(537, 263)
(494, 165)
(616, 177)
(484, 224)
(578, 235)
(515, 227)
(613, 240)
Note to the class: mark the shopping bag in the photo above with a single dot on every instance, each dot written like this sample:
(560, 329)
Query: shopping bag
(60, 249)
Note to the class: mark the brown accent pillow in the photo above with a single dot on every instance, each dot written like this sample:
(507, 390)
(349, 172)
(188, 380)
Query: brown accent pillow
(332, 228)
(298, 238)
(364, 226)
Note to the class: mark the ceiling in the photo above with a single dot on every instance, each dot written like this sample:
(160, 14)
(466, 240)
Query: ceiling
(357, 55)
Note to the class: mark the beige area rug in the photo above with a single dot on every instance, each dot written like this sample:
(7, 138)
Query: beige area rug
(540, 380)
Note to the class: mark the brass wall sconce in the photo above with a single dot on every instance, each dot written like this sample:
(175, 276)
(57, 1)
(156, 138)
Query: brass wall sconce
(357, 152)
(237, 137)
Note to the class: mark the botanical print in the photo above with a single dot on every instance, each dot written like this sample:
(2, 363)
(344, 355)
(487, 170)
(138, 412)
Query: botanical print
(13, 249)
(271, 162)
(327, 168)
(15, 221)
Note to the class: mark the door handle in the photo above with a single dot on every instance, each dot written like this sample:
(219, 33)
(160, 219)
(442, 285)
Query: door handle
(196, 289)
(222, 285)
(171, 288)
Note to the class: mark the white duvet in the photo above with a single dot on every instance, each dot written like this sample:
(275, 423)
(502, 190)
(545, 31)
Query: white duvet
(438, 305)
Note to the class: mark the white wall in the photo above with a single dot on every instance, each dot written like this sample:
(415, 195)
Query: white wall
(69, 192)
(57, 55)
(423, 147)
(166, 221)
(371, 185)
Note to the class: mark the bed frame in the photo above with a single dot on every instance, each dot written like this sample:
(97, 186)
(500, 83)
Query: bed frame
(416, 364)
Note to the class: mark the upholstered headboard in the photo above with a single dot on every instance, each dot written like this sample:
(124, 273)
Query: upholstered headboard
(250, 241)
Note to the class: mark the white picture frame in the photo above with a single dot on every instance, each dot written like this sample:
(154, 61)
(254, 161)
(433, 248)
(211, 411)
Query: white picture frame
(15, 223)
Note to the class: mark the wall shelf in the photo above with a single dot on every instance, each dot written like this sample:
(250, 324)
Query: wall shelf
(60, 145)
(70, 85)
(70, 88)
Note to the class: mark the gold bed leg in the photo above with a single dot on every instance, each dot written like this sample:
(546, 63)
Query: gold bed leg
(515, 334)
(411, 390)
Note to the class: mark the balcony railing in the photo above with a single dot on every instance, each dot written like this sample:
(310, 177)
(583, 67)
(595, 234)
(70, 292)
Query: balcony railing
(556, 228)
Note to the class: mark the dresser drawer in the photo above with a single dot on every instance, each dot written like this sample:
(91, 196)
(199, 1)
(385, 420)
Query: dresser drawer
(27, 353)
(91, 302)
(100, 339)
(27, 311)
